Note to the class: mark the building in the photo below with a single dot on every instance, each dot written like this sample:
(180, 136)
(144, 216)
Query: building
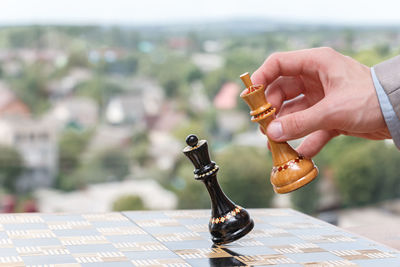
(138, 107)
(10, 104)
(208, 62)
(81, 112)
(65, 86)
(229, 118)
(36, 141)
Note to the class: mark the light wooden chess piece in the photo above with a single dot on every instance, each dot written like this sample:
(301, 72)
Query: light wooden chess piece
(291, 170)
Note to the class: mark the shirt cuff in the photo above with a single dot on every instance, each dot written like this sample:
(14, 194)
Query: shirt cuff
(392, 121)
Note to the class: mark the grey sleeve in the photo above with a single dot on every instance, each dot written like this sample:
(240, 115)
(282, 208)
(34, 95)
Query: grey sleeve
(388, 73)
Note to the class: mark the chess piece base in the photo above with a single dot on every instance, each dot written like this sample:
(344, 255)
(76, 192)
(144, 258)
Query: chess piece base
(234, 236)
(298, 183)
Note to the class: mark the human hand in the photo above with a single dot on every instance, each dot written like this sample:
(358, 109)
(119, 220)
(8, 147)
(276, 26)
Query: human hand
(329, 93)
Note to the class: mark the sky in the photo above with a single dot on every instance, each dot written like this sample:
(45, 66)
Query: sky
(147, 12)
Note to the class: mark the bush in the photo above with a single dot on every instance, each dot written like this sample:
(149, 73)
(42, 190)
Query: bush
(11, 166)
(368, 173)
(192, 194)
(244, 176)
(305, 199)
(128, 202)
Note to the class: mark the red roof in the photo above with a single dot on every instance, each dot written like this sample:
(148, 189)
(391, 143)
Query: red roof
(227, 96)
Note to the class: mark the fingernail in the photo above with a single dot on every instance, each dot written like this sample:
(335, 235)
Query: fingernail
(275, 130)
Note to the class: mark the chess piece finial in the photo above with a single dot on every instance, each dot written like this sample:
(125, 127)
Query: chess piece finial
(192, 140)
(228, 222)
(291, 170)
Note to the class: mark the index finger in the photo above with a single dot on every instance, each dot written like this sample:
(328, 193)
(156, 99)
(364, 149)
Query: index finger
(291, 63)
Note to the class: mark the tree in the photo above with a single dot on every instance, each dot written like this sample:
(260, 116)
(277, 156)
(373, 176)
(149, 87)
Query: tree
(11, 167)
(71, 145)
(128, 202)
(140, 148)
(31, 88)
(114, 163)
(191, 193)
(105, 166)
(244, 175)
(368, 173)
(306, 198)
(99, 89)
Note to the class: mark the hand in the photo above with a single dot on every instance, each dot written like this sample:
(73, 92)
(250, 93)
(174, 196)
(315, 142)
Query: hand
(329, 93)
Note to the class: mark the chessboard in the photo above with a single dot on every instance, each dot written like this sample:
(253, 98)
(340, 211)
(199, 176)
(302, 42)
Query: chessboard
(281, 237)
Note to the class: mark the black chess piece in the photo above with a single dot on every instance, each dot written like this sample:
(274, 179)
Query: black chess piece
(229, 222)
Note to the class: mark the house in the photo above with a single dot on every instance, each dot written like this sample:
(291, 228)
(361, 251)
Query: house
(207, 61)
(126, 109)
(229, 119)
(10, 104)
(65, 86)
(143, 102)
(227, 96)
(81, 112)
(36, 141)
(198, 99)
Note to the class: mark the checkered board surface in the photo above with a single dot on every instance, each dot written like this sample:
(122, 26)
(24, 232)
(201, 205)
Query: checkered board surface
(281, 237)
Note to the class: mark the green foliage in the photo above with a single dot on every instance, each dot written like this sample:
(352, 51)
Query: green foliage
(194, 74)
(128, 202)
(306, 198)
(127, 65)
(196, 127)
(78, 58)
(28, 36)
(241, 60)
(370, 57)
(11, 167)
(367, 173)
(214, 80)
(140, 148)
(174, 75)
(244, 176)
(114, 163)
(71, 145)
(106, 166)
(31, 88)
(98, 89)
(238, 61)
(191, 193)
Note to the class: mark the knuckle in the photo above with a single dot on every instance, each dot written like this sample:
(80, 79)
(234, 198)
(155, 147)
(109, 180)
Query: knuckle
(328, 50)
(274, 57)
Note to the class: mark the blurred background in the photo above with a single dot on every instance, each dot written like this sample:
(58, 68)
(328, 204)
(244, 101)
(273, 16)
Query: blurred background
(97, 97)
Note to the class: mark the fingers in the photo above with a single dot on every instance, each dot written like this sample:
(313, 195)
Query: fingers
(313, 143)
(298, 124)
(284, 88)
(291, 64)
(297, 104)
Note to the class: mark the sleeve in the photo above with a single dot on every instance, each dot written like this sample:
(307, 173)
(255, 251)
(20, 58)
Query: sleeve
(388, 111)
(388, 74)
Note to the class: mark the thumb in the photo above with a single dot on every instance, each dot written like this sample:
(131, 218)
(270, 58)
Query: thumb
(296, 125)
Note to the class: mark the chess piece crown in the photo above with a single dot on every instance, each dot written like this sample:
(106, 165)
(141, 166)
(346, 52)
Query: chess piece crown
(291, 170)
(229, 221)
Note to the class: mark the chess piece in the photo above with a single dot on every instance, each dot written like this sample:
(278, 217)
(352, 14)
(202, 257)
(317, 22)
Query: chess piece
(291, 170)
(228, 222)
